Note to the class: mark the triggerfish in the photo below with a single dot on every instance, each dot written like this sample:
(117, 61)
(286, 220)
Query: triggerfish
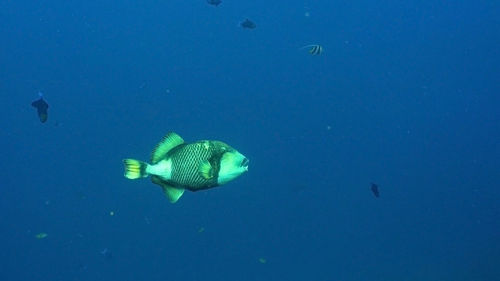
(177, 166)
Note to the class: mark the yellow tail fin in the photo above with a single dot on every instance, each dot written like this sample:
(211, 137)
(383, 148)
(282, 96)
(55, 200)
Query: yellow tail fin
(135, 169)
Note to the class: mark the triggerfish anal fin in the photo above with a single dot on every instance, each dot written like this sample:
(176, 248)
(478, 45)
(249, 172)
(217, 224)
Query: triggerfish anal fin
(168, 142)
(172, 193)
(41, 108)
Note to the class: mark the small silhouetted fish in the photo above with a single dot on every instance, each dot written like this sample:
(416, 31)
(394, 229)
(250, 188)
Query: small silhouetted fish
(374, 189)
(214, 2)
(41, 107)
(107, 253)
(41, 235)
(81, 266)
(314, 49)
(248, 24)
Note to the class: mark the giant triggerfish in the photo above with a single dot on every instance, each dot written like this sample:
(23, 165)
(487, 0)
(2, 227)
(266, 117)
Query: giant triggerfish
(177, 166)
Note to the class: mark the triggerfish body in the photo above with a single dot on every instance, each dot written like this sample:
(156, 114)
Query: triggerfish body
(41, 108)
(176, 165)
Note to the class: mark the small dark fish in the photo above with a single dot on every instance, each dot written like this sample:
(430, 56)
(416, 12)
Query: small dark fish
(374, 189)
(248, 24)
(41, 107)
(214, 2)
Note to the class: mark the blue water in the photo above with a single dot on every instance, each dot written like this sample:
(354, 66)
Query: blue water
(405, 94)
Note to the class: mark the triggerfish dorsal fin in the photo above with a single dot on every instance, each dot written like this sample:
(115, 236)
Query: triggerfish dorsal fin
(172, 193)
(206, 170)
(168, 142)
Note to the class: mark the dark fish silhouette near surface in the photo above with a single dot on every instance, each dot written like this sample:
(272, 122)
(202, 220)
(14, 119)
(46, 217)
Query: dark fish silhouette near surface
(214, 2)
(248, 24)
(41, 108)
(374, 189)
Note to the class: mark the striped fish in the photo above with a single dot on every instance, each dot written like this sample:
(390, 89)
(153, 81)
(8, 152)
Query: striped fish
(314, 49)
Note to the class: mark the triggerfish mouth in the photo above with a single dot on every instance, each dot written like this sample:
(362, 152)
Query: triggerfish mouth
(177, 166)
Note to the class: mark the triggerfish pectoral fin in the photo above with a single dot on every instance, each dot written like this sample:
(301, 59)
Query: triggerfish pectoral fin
(206, 170)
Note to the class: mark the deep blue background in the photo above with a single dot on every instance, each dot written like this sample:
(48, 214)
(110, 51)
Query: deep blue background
(406, 94)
